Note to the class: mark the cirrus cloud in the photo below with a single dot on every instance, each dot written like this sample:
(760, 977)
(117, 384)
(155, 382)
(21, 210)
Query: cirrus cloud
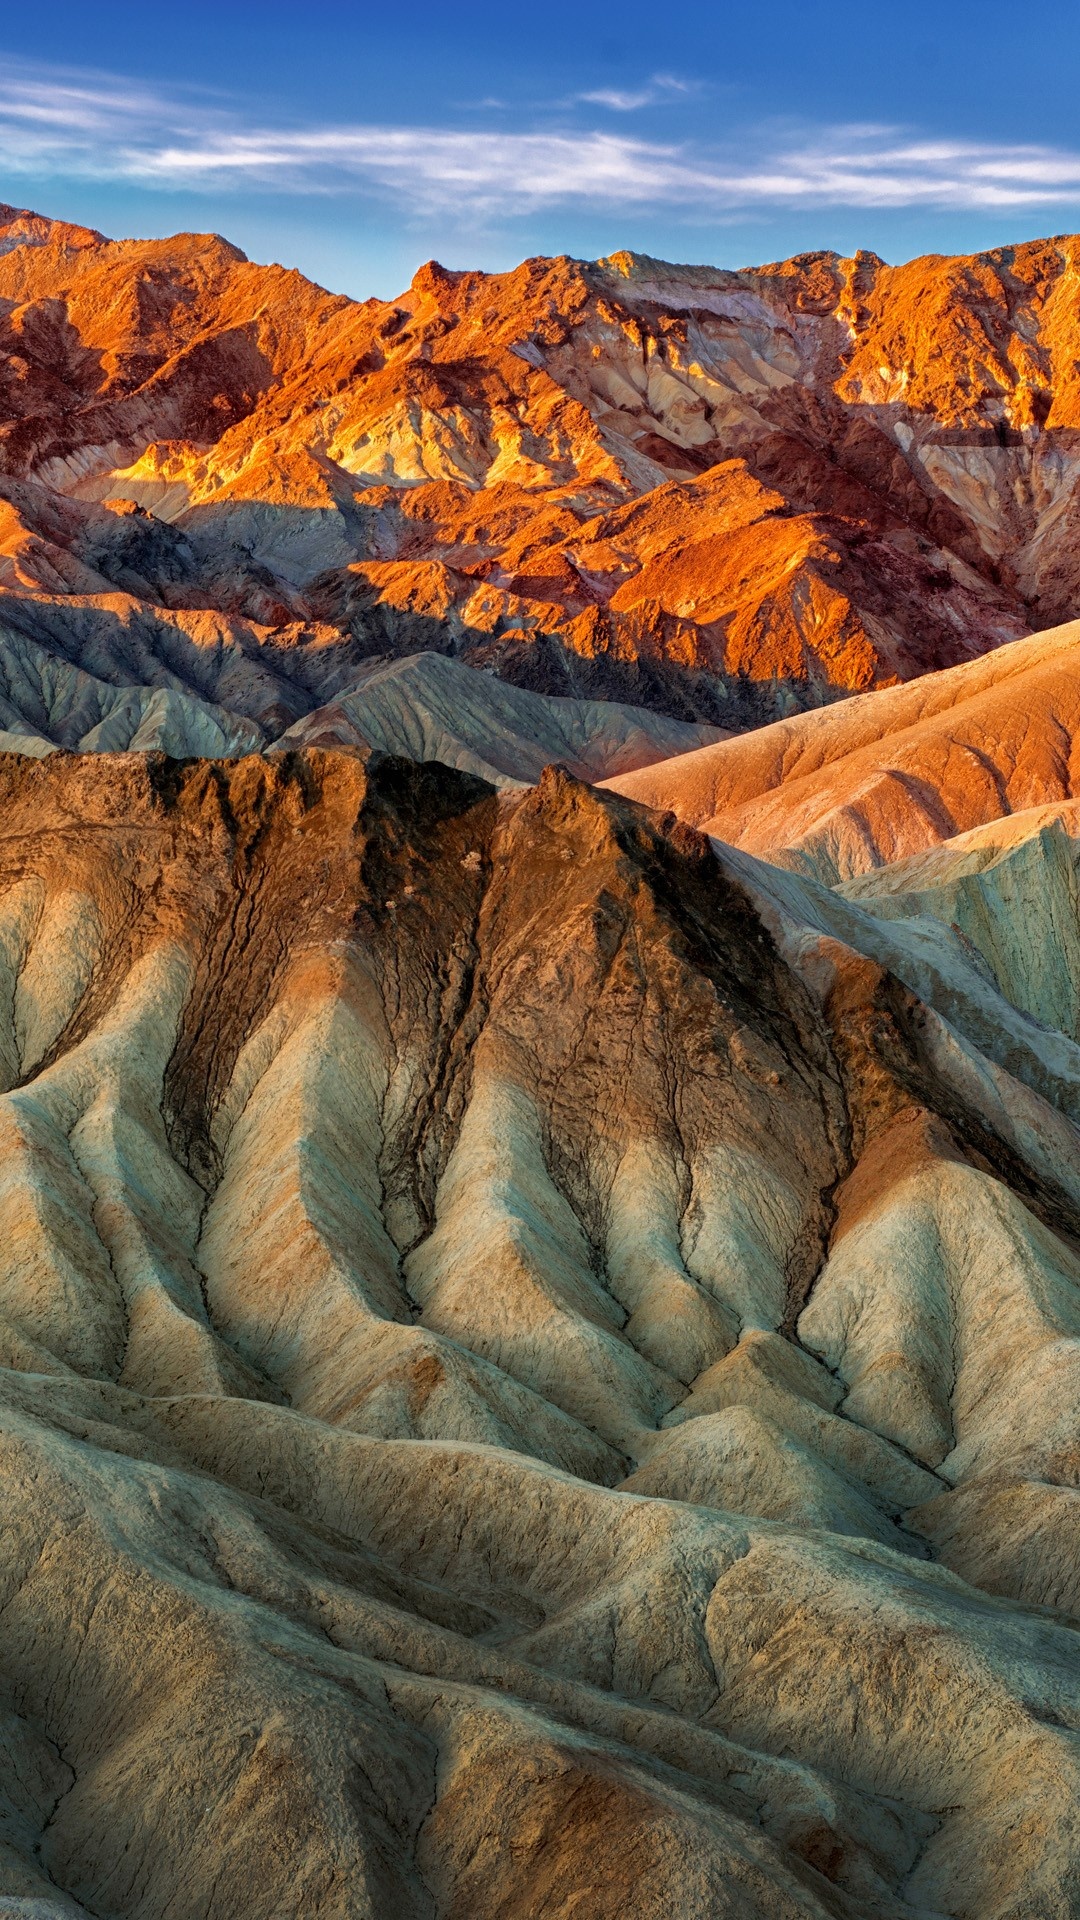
(59, 123)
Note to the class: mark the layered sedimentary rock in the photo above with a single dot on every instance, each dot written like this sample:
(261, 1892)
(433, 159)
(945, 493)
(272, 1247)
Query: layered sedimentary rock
(539, 1325)
(424, 706)
(839, 792)
(725, 495)
(503, 1409)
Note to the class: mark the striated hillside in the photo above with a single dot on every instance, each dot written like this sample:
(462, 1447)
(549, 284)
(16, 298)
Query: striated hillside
(503, 1410)
(425, 706)
(725, 495)
(884, 777)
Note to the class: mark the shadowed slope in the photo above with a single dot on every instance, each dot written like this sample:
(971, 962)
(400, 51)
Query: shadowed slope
(426, 707)
(723, 495)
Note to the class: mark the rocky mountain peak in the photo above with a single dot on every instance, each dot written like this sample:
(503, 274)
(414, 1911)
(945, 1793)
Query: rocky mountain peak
(723, 495)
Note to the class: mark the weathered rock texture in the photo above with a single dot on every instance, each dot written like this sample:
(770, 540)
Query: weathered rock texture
(722, 495)
(876, 780)
(539, 1350)
(539, 1373)
(424, 706)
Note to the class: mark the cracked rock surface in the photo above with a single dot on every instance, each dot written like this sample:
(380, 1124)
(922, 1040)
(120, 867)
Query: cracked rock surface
(539, 1361)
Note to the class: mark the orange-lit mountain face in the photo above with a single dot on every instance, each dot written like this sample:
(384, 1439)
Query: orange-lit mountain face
(725, 495)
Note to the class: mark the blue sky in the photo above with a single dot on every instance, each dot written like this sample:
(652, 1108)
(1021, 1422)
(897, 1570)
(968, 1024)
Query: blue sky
(356, 141)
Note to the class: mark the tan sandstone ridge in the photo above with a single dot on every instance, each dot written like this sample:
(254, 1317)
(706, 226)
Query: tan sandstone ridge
(504, 1412)
(724, 495)
(854, 787)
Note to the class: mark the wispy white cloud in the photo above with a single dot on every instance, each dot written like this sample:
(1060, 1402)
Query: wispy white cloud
(96, 126)
(662, 87)
(618, 102)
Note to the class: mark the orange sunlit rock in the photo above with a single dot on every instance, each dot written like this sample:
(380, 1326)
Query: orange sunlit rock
(539, 1348)
(726, 494)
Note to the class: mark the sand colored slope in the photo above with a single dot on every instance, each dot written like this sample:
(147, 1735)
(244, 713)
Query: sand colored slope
(880, 778)
(1008, 891)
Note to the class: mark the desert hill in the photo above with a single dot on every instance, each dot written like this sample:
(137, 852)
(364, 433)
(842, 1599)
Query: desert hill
(723, 495)
(837, 792)
(460, 1455)
(425, 706)
(539, 1320)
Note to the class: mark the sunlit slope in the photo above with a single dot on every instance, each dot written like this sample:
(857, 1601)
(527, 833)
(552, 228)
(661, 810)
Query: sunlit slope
(880, 778)
(723, 495)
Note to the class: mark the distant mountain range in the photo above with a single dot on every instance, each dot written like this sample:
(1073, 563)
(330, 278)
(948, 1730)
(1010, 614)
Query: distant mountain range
(722, 495)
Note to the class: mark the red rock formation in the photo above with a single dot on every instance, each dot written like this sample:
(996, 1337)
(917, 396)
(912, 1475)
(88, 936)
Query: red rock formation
(726, 494)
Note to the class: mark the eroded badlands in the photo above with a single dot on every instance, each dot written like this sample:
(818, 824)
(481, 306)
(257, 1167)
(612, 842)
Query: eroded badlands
(504, 1408)
(539, 1320)
(727, 496)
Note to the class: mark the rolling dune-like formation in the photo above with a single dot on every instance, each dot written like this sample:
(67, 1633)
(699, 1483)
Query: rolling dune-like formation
(881, 778)
(504, 1411)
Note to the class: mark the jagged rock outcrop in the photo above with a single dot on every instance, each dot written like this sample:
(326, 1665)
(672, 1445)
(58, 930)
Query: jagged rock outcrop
(723, 495)
(503, 1408)
(539, 1334)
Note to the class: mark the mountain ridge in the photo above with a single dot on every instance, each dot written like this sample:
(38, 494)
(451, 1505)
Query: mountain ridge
(457, 1444)
(723, 494)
